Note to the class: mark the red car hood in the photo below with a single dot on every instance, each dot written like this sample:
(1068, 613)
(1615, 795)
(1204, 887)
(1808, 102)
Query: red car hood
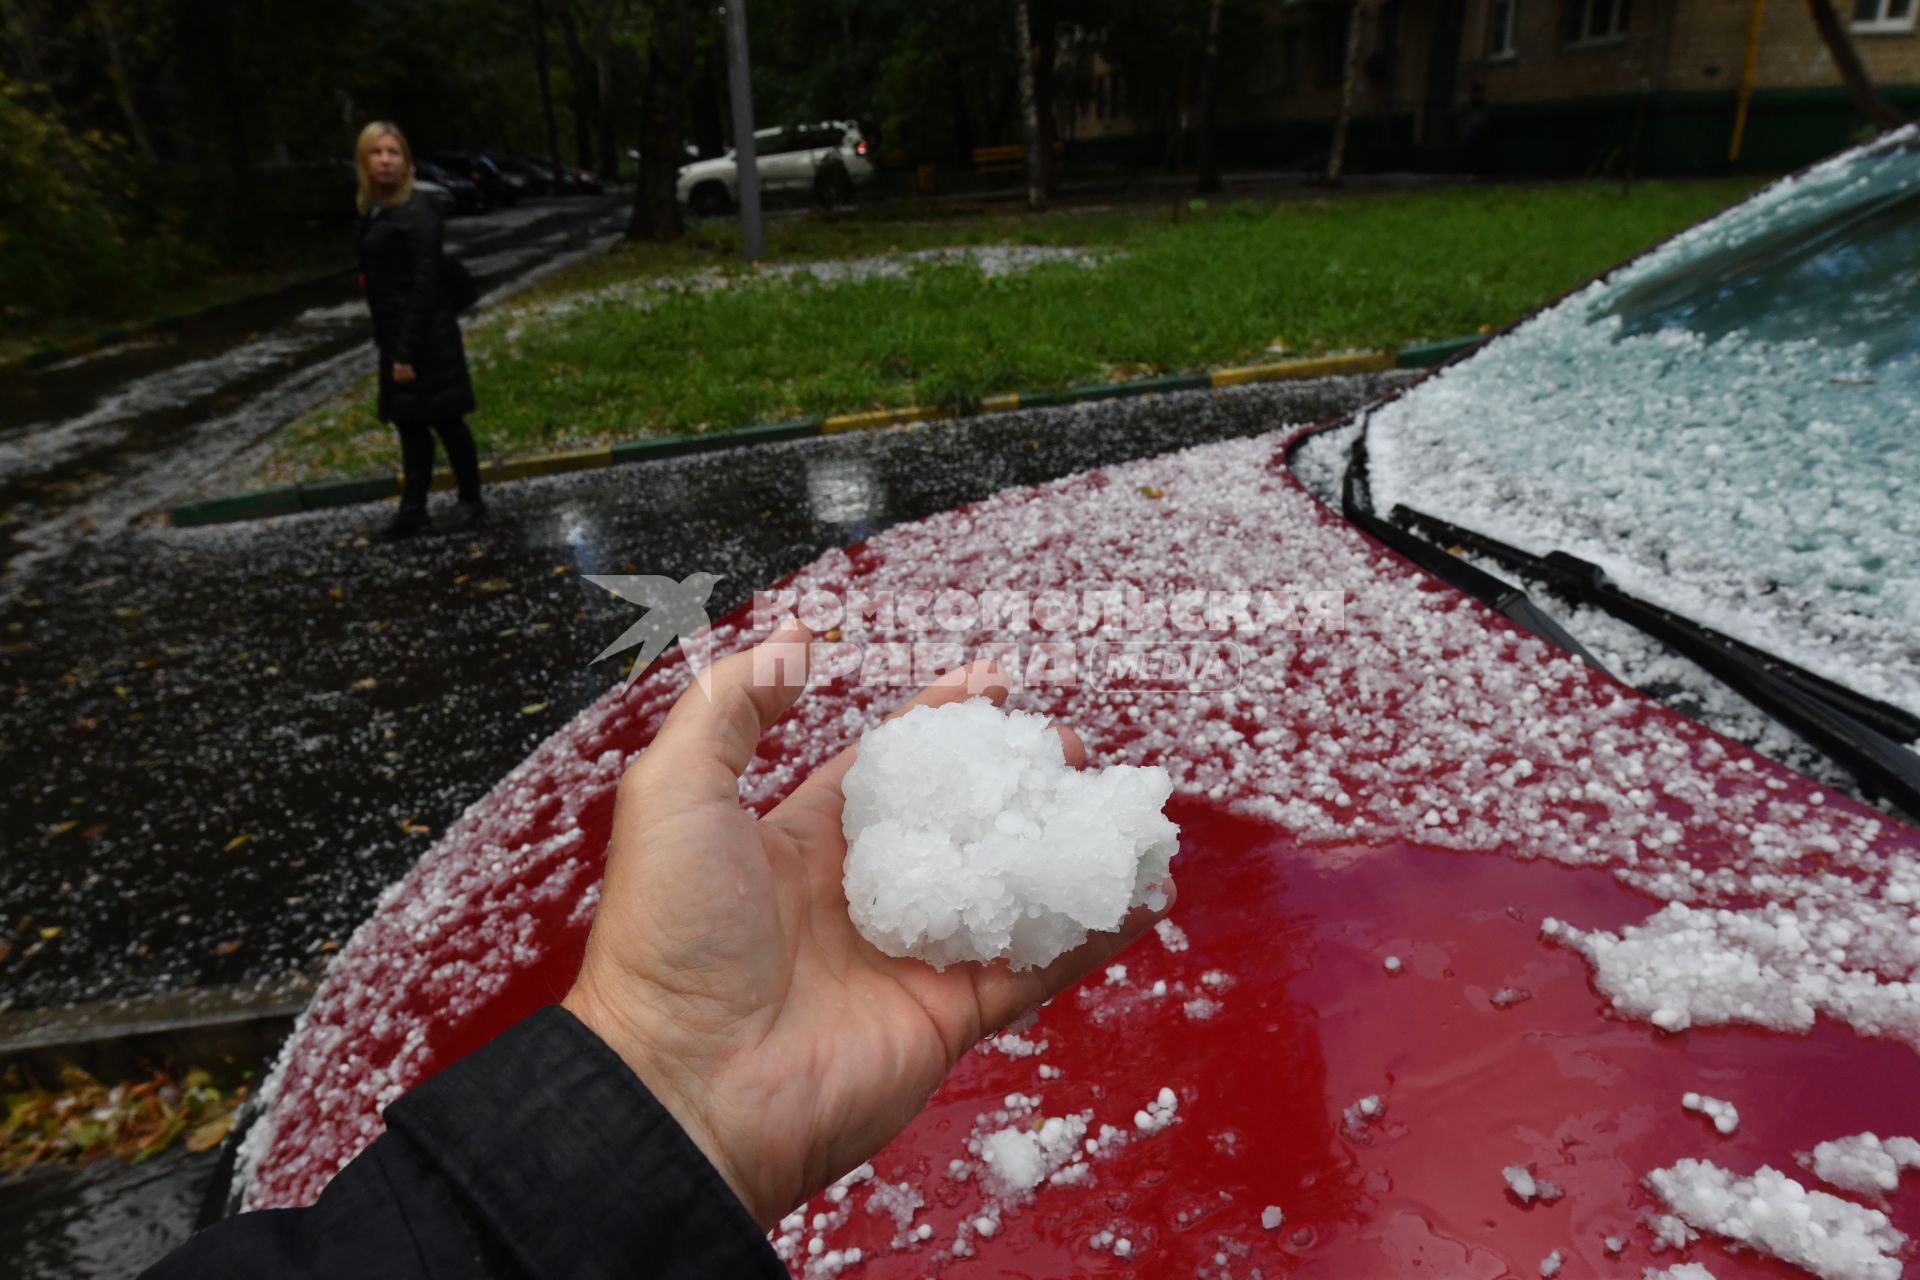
(1428, 784)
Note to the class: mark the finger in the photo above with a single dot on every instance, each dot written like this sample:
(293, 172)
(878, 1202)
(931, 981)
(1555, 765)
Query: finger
(1004, 994)
(820, 793)
(714, 729)
(1071, 746)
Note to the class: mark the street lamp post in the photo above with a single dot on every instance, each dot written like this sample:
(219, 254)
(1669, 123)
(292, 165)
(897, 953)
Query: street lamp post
(746, 162)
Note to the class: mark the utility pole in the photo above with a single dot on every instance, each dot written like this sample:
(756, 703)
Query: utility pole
(746, 161)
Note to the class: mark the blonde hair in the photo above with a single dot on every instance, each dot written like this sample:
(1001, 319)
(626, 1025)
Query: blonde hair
(368, 136)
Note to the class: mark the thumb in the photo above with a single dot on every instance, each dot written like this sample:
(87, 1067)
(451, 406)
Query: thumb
(712, 732)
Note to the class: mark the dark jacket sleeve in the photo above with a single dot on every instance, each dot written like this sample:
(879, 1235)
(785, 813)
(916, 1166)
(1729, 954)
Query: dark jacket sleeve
(423, 232)
(541, 1155)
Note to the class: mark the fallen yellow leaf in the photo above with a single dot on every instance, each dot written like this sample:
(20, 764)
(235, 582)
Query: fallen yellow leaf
(211, 1134)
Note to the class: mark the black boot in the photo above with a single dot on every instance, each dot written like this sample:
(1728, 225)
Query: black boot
(406, 522)
(466, 514)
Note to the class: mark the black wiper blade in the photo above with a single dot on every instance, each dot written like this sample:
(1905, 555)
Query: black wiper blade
(1863, 735)
(1496, 593)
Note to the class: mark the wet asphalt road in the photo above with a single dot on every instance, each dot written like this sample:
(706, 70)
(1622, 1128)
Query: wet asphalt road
(222, 743)
(107, 1221)
(92, 445)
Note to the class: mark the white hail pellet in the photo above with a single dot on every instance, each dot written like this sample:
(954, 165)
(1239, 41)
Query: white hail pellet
(970, 839)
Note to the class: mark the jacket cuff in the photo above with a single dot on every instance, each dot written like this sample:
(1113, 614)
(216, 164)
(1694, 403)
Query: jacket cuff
(564, 1153)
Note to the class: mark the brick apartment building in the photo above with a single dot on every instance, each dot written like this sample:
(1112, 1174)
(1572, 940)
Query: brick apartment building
(1561, 87)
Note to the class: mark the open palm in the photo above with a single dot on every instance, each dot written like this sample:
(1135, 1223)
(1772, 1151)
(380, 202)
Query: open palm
(722, 965)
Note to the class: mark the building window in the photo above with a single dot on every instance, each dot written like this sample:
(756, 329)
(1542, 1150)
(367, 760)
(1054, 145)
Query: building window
(1599, 21)
(1883, 15)
(1500, 20)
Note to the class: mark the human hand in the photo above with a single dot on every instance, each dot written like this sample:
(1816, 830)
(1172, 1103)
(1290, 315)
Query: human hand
(723, 969)
(402, 371)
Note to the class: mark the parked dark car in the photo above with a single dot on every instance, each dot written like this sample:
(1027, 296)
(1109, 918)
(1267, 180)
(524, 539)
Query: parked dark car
(571, 181)
(480, 169)
(537, 178)
(468, 195)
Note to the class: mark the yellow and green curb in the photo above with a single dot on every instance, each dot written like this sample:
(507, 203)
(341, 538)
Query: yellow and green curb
(321, 494)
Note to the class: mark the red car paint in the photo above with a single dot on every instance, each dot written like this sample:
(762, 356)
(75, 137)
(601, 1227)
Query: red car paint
(1309, 1022)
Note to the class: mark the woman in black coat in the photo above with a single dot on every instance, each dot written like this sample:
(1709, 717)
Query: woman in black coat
(424, 384)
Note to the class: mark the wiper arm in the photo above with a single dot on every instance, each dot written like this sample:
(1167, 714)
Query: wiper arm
(1356, 502)
(1864, 736)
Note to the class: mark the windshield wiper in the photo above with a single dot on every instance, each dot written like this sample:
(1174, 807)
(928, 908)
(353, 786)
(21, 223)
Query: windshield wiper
(1862, 735)
(1356, 503)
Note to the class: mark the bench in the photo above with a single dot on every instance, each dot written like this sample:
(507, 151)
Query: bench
(1008, 158)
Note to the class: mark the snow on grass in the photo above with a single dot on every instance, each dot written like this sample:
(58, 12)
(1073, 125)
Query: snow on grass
(990, 260)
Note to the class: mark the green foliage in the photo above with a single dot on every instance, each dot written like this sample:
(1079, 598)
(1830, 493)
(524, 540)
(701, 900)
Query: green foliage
(625, 358)
(68, 239)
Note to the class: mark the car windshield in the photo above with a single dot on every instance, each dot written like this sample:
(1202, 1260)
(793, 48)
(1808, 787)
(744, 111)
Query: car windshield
(1729, 426)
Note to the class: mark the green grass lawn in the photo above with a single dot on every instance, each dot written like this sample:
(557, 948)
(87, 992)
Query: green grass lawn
(1218, 286)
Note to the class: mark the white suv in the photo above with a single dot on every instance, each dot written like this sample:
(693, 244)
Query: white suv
(824, 161)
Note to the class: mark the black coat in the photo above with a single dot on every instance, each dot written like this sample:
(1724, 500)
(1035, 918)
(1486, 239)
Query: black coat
(399, 251)
(541, 1156)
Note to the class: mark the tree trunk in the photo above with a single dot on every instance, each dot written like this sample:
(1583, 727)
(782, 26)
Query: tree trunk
(1047, 44)
(1866, 99)
(656, 212)
(1029, 108)
(1337, 152)
(117, 71)
(1209, 166)
(579, 72)
(539, 11)
(603, 91)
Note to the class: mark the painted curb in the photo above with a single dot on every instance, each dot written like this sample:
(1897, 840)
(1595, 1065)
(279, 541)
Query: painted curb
(321, 494)
(1315, 367)
(1428, 354)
